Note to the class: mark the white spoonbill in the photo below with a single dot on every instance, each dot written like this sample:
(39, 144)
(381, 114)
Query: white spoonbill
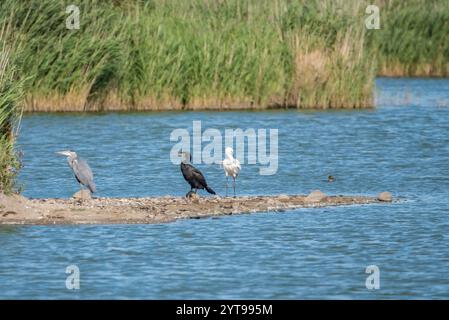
(231, 167)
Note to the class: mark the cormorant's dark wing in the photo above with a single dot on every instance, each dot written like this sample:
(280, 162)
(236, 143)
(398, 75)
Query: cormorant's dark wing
(195, 178)
(196, 175)
(199, 176)
(83, 173)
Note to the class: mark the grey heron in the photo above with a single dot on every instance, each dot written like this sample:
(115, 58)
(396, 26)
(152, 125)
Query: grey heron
(81, 169)
(192, 175)
(231, 167)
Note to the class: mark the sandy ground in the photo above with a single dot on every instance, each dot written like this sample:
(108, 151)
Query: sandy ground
(20, 210)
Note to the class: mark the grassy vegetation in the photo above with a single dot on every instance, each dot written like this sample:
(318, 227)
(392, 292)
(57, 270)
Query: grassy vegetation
(223, 54)
(414, 38)
(10, 112)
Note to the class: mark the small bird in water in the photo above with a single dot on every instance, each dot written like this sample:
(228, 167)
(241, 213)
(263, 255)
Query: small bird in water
(231, 167)
(192, 175)
(330, 179)
(81, 169)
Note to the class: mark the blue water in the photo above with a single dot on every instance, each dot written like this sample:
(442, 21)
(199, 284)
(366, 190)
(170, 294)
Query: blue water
(402, 146)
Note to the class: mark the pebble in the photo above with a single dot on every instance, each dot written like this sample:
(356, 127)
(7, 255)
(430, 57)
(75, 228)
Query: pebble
(315, 196)
(385, 196)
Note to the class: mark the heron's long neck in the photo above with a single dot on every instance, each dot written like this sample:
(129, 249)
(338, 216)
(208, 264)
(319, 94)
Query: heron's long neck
(71, 159)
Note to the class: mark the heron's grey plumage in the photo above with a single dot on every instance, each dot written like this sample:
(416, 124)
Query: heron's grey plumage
(83, 173)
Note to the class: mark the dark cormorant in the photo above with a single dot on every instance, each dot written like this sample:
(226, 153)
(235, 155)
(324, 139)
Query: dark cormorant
(193, 176)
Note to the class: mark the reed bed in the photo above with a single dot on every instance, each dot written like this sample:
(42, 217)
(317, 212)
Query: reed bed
(221, 54)
(414, 38)
(11, 94)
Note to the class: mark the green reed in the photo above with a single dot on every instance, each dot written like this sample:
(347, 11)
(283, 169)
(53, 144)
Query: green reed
(228, 54)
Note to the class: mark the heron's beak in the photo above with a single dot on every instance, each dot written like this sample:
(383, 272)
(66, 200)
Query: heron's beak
(63, 153)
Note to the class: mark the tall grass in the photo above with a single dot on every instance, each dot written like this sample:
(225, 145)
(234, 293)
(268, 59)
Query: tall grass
(174, 54)
(10, 112)
(414, 38)
(221, 54)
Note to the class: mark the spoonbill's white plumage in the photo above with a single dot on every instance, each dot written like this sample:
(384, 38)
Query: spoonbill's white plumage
(231, 167)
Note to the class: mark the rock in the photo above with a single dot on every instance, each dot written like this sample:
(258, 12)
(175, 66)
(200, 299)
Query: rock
(8, 212)
(315, 196)
(385, 196)
(82, 195)
(191, 194)
(193, 197)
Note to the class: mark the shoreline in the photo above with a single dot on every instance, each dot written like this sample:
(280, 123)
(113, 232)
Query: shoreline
(42, 104)
(18, 210)
(63, 105)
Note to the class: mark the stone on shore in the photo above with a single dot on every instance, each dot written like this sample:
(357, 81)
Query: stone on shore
(193, 197)
(315, 196)
(385, 196)
(83, 195)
